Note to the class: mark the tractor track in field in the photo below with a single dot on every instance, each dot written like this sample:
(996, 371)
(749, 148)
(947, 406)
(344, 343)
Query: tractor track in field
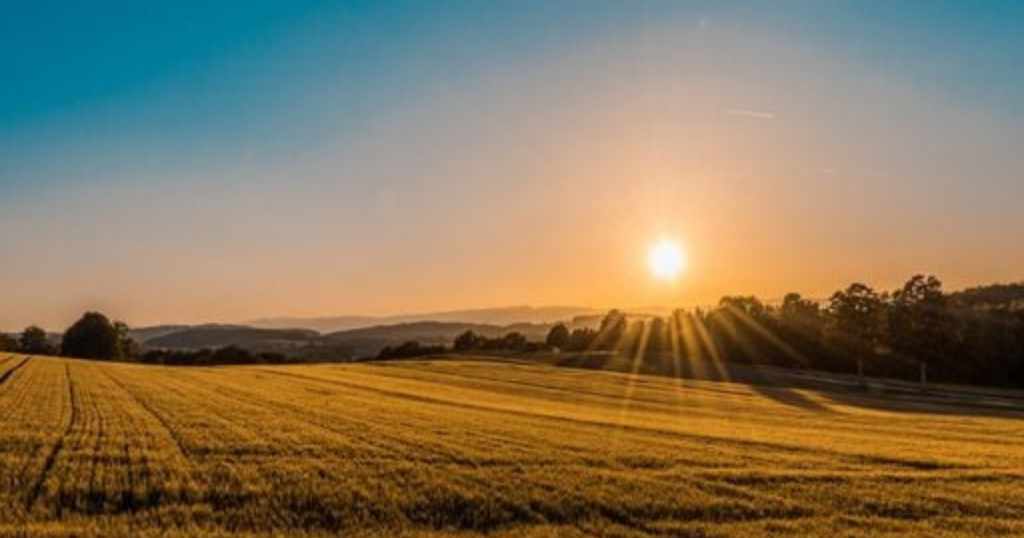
(171, 432)
(7, 375)
(51, 458)
(298, 412)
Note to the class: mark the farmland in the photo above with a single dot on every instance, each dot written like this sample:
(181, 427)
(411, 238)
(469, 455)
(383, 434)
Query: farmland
(474, 447)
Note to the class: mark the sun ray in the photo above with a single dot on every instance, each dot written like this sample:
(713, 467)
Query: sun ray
(638, 359)
(717, 360)
(768, 335)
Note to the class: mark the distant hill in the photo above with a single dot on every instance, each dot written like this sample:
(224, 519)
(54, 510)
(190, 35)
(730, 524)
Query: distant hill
(489, 316)
(369, 341)
(338, 345)
(144, 334)
(1009, 296)
(214, 336)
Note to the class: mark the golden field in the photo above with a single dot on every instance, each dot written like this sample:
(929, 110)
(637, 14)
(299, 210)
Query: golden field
(465, 447)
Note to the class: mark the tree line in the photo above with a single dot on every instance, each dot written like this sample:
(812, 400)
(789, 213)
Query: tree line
(95, 336)
(916, 331)
(968, 337)
(972, 336)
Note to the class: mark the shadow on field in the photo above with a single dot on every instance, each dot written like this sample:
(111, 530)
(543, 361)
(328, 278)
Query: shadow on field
(764, 383)
(785, 386)
(929, 400)
(790, 397)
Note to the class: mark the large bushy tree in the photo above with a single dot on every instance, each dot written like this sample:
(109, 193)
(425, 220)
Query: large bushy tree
(857, 319)
(93, 336)
(921, 325)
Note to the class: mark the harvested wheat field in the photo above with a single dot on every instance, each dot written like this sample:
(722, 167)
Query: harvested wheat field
(469, 447)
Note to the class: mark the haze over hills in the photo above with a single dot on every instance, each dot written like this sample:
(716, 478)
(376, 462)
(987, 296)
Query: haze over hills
(213, 336)
(338, 345)
(489, 316)
(351, 337)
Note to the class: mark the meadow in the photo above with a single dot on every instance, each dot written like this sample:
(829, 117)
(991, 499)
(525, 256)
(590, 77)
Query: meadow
(465, 447)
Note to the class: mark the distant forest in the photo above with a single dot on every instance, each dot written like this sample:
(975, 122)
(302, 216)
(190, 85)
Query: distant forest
(971, 336)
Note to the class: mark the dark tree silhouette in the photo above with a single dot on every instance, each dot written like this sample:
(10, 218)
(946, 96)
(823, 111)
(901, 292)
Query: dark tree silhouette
(206, 357)
(558, 337)
(920, 322)
(581, 339)
(34, 341)
(409, 350)
(8, 342)
(92, 337)
(467, 341)
(802, 313)
(129, 348)
(657, 336)
(514, 341)
(857, 314)
(610, 334)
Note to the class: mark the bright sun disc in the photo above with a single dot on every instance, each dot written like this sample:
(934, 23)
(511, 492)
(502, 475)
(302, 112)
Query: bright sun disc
(667, 259)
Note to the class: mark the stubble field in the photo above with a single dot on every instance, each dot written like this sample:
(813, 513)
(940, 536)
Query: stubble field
(472, 447)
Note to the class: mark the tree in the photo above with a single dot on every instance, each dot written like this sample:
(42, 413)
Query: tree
(8, 342)
(749, 306)
(409, 350)
(466, 341)
(581, 339)
(740, 325)
(233, 355)
(1017, 367)
(92, 337)
(802, 313)
(921, 323)
(558, 336)
(129, 348)
(34, 341)
(610, 334)
(659, 336)
(856, 321)
(514, 341)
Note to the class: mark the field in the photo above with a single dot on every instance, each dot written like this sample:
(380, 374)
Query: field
(473, 447)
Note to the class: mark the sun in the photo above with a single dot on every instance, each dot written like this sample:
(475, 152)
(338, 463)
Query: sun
(667, 259)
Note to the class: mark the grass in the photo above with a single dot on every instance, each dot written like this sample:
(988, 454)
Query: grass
(468, 447)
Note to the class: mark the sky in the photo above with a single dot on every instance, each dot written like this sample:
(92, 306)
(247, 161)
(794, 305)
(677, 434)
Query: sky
(196, 161)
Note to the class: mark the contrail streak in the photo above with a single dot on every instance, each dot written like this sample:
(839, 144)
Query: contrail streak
(760, 114)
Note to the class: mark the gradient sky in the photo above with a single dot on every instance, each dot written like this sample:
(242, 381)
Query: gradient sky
(221, 161)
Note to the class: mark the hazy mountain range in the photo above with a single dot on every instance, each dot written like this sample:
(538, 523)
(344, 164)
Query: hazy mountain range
(349, 337)
(489, 316)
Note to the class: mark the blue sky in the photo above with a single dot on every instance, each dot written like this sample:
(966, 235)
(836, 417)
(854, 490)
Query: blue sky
(175, 79)
(185, 120)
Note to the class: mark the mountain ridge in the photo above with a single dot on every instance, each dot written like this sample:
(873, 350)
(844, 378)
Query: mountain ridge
(502, 316)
